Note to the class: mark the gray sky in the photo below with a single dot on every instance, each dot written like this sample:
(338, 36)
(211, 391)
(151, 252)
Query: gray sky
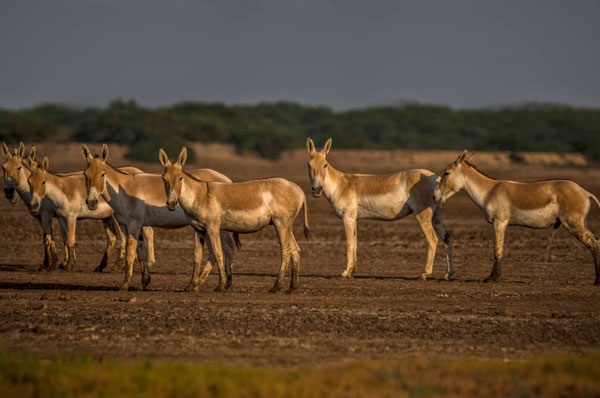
(340, 53)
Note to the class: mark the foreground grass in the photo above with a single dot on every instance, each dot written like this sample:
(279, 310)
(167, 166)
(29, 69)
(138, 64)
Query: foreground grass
(84, 376)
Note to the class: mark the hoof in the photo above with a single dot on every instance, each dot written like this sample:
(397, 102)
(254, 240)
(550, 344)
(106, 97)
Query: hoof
(423, 277)
(448, 276)
(274, 289)
(290, 290)
(345, 275)
(191, 288)
(99, 269)
(491, 278)
(124, 287)
(219, 289)
(42, 268)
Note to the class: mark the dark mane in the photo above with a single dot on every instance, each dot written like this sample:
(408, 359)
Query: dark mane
(476, 169)
(115, 169)
(192, 177)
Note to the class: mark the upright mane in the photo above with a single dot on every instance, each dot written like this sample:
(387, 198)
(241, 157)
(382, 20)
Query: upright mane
(114, 168)
(476, 169)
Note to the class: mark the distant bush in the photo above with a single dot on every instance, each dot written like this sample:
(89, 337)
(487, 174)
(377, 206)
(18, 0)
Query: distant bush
(269, 129)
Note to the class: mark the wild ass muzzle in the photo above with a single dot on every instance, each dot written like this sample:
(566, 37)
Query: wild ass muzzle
(540, 204)
(242, 207)
(67, 193)
(385, 197)
(139, 200)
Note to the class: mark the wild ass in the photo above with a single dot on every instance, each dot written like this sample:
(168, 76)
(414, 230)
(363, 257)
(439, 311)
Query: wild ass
(386, 197)
(139, 200)
(540, 204)
(242, 207)
(68, 194)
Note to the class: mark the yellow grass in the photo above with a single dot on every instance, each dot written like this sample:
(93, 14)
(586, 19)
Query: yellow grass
(84, 376)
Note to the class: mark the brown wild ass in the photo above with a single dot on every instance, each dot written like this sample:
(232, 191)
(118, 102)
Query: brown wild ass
(385, 197)
(68, 194)
(139, 200)
(242, 207)
(540, 204)
(15, 175)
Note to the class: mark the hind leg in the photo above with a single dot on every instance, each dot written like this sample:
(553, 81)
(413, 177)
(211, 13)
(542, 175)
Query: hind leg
(147, 255)
(286, 251)
(442, 233)
(576, 226)
(120, 262)
(295, 260)
(111, 238)
(424, 219)
(499, 232)
(198, 248)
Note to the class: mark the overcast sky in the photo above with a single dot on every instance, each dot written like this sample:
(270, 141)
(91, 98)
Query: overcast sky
(340, 53)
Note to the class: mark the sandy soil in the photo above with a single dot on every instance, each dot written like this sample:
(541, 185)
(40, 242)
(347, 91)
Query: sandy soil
(536, 307)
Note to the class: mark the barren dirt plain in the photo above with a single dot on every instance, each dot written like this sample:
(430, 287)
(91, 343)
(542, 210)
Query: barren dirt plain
(385, 312)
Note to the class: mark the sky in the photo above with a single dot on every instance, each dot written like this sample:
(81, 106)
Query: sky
(339, 53)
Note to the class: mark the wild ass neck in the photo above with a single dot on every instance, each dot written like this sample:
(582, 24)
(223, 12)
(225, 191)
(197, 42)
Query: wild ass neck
(115, 181)
(55, 189)
(477, 185)
(192, 190)
(333, 182)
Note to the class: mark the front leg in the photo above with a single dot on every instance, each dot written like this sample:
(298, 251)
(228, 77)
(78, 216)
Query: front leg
(499, 231)
(71, 227)
(214, 241)
(64, 227)
(50, 255)
(351, 245)
(132, 234)
(194, 284)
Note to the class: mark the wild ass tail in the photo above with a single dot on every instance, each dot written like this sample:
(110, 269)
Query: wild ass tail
(592, 196)
(236, 239)
(306, 227)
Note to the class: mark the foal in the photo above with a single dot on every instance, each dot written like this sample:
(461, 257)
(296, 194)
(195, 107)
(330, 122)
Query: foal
(540, 204)
(238, 207)
(386, 197)
(139, 200)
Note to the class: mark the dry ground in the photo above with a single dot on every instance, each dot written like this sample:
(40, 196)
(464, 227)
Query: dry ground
(383, 313)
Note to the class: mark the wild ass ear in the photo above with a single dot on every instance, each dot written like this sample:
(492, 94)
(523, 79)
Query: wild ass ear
(21, 152)
(310, 146)
(104, 153)
(32, 153)
(461, 157)
(87, 155)
(5, 149)
(164, 158)
(45, 163)
(327, 146)
(182, 157)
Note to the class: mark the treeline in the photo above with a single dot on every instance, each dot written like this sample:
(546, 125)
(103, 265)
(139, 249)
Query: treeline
(268, 129)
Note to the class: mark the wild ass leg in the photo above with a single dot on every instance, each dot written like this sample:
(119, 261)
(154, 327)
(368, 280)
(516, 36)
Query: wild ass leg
(145, 251)
(111, 238)
(228, 249)
(424, 219)
(443, 234)
(132, 234)
(295, 258)
(351, 245)
(62, 223)
(580, 231)
(71, 225)
(49, 246)
(214, 240)
(198, 244)
(121, 261)
(286, 252)
(499, 231)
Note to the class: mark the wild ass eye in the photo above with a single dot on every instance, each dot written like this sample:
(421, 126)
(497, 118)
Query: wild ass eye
(19, 168)
(102, 176)
(43, 182)
(181, 178)
(325, 165)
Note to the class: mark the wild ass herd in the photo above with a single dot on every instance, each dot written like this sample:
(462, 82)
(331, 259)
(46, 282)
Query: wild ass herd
(130, 203)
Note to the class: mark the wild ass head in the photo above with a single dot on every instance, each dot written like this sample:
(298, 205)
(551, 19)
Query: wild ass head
(37, 184)
(453, 179)
(13, 171)
(317, 166)
(94, 175)
(172, 176)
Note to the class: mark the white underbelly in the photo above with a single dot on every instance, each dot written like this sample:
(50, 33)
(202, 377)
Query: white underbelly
(543, 217)
(386, 207)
